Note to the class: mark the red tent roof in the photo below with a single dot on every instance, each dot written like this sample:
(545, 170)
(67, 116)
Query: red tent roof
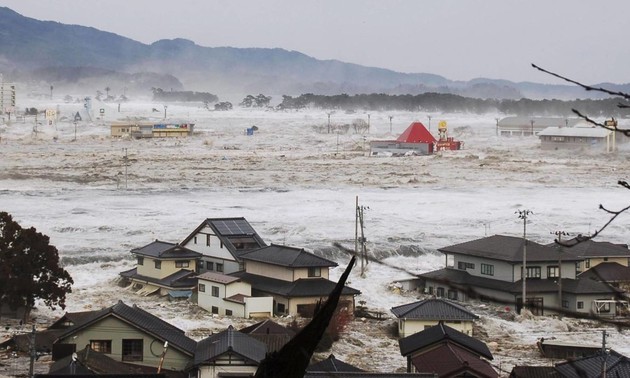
(416, 133)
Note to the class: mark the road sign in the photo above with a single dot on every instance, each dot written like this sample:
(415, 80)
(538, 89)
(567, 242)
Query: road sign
(51, 114)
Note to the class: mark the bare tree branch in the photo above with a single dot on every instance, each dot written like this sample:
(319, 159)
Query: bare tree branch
(586, 87)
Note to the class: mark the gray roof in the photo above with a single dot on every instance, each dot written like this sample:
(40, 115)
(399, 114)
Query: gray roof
(287, 256)
(608, 272)
(272, 334)
(591, 248)
(229, 341)
(331, 364)
(534, 372)
(434, 309)
(181, 279)
(539, 122)
(230, 231)
(304, 287)
(218, 277)
(617, 365)
(438, 334)
(143, 321)
(365, 374)
(584, 132)
(506, 248)
(164, 250)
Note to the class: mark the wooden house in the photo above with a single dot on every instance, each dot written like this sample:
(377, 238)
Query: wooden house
(163, 267)
(447, 352)
(230, 296)
(229, 353)
(128, 334)
(221, 242)
(489, 269)
(418, 316)
(295, 278)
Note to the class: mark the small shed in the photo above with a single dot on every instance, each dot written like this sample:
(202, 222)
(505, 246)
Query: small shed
(415, 140)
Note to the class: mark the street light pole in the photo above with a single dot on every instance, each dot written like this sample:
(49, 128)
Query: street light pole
(165, 106)
(75, 130)
(390, 124)
(429, 117)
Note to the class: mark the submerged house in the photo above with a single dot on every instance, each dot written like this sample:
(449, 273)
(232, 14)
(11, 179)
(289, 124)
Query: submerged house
(579, 137)
(415, 140)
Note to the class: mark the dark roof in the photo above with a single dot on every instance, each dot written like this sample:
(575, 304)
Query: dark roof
(591, 248)
(506, 248)
(272, 334)
(617, 365)
(143, 321)
(464, 281)
(183, 278)
(331, 364)
(287, 256)
(70, 317)
(229, 341)
(163, 250)
(449, 360)
(364, 374)
(304, 287)
(441, 333)
(534, 372)
(607, 272)
(436, 308)
(230, 231)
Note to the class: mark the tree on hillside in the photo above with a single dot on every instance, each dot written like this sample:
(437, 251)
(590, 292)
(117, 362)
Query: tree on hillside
(29, 268)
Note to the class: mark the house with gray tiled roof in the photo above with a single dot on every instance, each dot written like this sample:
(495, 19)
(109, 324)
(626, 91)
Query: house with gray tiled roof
(594, 252)
(489, 269)
(128, 334)
(295, 278)
(420, 315)
(163, 267)
(228, 353)
(447, 351)
(611, 273)
(222, 241)
(611, 362)
(332, 367)
(272, 334)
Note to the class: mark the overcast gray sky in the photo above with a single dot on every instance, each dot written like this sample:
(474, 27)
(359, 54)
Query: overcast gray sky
(461, 40)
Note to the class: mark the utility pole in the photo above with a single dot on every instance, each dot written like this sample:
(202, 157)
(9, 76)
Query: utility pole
(368, 123)
(390, 124)
(33, 354)
(362, 240)
(429, 117)
(165, 107)
(329, 113)
(522, 214)
(497, 131)
(560, 234)
(126, 163)
(604, 354)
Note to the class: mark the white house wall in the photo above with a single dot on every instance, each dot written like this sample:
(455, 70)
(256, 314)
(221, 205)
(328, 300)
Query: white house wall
(229, 370)
(502, 269)
(407, 327)
(258, 307)
(238, 287)
(215, 249)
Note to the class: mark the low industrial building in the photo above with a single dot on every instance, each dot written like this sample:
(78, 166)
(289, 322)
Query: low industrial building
(145, 129)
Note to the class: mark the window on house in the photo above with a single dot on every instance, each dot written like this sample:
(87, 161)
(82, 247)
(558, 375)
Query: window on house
(228, 312)
(158, 264)
(209, 265)
(219, 267)
(195, 239)
(587, 263)
(103, 346)
(461, 265)
(140, 260)
(452, 294)
(215, 310)
(215, 291)
(208, 240)
(533, 272)
(202, 288)
(553, 272)
(221, 244)
(487, 269)
(440, 292)
(565, 304)
(182, 264)
(281, 308)
(430, 290)
(315, 272)
(132, 349)
(580, 305)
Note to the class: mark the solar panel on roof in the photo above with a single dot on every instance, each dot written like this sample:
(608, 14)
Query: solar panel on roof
(233, 227)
